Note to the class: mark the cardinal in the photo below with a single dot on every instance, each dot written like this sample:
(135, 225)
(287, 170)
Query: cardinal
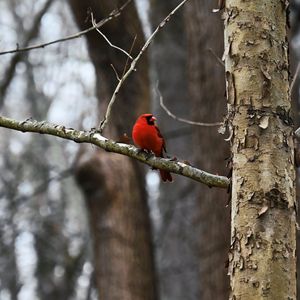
(147, 136)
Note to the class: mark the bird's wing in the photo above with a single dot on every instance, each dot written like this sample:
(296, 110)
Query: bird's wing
(160, 135)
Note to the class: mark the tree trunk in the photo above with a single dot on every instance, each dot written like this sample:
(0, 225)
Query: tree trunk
(176, 261)
(114, 185)
(206, 91)
(195, 268)
(263, 236)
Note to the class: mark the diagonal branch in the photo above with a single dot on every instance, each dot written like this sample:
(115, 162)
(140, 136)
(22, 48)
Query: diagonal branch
(115, 13)
(106, 38)
(134, 62)
(94, 137)
(294, 78)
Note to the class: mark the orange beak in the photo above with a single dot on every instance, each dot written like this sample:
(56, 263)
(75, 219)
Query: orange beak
(153, 119)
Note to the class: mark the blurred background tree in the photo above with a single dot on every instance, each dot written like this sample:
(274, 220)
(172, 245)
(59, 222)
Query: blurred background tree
(79, 223)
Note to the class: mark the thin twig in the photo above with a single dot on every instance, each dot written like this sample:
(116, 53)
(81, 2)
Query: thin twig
(133, 64)
(115, 13)
(294, 78)
(93, 137)
(107, 40)
(115, 71)
(127, 60)
(29, 35)
(297, 133)
(161, 102)
(216, 56)
(221, 5)
(110, 104)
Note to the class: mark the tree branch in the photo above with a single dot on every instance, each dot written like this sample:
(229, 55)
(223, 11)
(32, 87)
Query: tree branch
(115, 13)
(133, 64)
(94, 137)
(107, 40)
(294, 79)
(29, 35)
(169, 113)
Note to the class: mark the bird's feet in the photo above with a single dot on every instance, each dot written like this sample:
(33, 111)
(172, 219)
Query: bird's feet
(146, 152)
(174, 158)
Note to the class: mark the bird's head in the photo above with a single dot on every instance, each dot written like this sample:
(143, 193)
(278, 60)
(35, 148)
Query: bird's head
(148, 118)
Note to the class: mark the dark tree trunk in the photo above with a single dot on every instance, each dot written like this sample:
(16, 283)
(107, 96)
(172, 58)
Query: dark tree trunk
(177, 263)
(114, 185)
(193, 240)
(206, 90)
(294, 53)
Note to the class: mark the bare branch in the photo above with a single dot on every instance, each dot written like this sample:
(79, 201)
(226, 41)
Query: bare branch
(107, 40)
(130, 51)
(29, 35)
(161, 102)
(115, 71)
(94, 137)
(294, 78)
(115, 13)
(297, 133)
(219, 60)
(134, 62)
(112, 100)
(221, 5)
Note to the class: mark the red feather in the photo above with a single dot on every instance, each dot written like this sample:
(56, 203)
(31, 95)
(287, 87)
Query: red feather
(147, 136)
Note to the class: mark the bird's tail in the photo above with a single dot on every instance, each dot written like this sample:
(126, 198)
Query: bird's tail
(165, 175)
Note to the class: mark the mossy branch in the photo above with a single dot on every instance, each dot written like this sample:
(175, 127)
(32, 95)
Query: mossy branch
(95, 138)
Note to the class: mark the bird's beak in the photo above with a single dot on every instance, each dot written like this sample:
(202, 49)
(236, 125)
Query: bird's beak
(153, 119)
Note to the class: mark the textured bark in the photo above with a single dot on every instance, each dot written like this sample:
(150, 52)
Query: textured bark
(206, 90)
(263, 236)
(120, 228)
(113, 185)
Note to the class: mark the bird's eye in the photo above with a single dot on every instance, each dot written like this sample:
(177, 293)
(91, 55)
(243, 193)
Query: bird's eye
(150, 120)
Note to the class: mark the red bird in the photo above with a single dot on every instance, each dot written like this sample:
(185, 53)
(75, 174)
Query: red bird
(147, 136)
